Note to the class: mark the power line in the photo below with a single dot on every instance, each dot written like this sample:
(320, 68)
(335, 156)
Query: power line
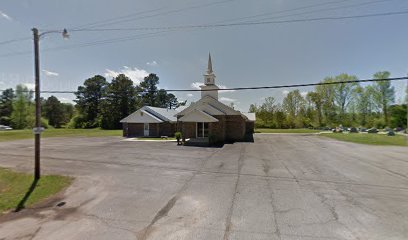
(116, 21)
(15, 40)
(252, 88)
(326, 9)
(183, 27)
(204, 26)
(284, 11)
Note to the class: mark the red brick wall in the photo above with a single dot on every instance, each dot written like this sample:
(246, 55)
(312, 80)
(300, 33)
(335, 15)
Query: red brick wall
(133, 129)
(167, 129)
(217, 129)
(235, 128)
(188, 129)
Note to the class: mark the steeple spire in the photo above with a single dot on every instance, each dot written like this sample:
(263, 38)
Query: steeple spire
(209, 68)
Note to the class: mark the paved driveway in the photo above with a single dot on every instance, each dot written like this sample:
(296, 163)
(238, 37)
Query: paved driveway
(280, 187)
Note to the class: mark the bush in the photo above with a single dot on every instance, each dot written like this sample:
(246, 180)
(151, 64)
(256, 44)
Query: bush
(79, 121)
(178, 135)
(379, 123)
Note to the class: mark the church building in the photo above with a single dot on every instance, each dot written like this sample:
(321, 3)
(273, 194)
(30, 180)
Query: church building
(207, 121)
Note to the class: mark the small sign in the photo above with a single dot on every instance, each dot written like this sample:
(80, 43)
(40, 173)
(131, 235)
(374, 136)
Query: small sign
(38, 130)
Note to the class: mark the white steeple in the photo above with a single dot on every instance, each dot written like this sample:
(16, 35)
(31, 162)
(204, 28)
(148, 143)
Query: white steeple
(209, 88)
(209, 77)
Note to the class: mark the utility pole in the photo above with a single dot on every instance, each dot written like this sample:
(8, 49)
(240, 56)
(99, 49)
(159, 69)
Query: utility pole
(37, 129)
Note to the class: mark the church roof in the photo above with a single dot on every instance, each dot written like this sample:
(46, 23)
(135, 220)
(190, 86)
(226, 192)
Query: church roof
(198, 116)
(149, 114)
(211, 106)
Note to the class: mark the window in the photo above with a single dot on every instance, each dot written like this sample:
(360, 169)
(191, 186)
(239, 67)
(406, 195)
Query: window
(202, 130)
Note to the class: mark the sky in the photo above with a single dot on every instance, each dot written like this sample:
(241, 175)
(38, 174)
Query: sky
(243, 56)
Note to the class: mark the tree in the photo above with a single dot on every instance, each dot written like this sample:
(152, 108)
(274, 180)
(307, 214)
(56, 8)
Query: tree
(68, 110)
(326, 93)
(89, 98)
(344, 92)
(253, 108)
(294, 106)
(267, 110)
(120, 100)
(317, 102)
(148, 90)
(21, 108)
(6, 106)
(166, 100)
(384, 94)
(152, 96)
(398, 114)
(54, 112)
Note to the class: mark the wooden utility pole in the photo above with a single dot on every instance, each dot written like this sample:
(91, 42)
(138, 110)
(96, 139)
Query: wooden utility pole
(37, 129)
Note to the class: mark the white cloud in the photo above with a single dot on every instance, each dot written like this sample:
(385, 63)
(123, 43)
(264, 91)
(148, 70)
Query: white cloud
(190, 95)
(65, 100)
(196, 85)
(285, 92)
(2, 83)
(137, 75)
(30, 86)
(225, 99)
(225, 87)
(5, 16)
(152, 63)
(50, 74)
(303, 94)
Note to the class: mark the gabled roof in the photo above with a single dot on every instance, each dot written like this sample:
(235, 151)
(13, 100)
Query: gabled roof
(163, 113)
(211, 106)
(141, 116)
(149, 114)
(250, 116)
(198, 116)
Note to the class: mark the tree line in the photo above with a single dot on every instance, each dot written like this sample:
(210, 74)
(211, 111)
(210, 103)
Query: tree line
(17, 109)
(98, 103)
(347, 104)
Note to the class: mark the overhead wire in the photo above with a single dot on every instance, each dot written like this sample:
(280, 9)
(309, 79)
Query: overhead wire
(253, 88)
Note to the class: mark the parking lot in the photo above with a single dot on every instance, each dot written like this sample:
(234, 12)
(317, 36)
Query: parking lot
(282, 186)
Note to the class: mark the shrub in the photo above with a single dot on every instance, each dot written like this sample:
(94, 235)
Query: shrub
(178, 135)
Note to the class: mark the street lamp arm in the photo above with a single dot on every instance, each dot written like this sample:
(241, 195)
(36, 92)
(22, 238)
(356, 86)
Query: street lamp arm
(64, 32)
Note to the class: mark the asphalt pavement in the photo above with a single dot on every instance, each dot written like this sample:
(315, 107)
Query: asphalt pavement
(281, 186)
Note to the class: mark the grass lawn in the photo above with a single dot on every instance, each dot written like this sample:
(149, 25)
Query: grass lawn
(62, 132)
(14, 189)
(372, 139)
(299, 130)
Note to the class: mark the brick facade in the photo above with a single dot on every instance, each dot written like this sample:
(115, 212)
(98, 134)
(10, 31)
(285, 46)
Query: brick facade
(155, 129)
(229, 128)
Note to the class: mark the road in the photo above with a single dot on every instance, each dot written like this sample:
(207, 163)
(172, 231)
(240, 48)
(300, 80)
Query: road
(282, 187)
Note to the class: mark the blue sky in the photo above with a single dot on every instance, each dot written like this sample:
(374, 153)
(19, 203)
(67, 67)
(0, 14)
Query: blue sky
(243, 56)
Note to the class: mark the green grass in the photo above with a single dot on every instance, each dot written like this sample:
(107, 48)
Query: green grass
(26, 133)
(371, 139)
(298, 130)
(14, 186)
